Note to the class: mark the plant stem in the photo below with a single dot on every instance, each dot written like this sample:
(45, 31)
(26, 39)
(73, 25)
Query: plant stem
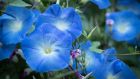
(58, 2)
(67, 1)
(76, 72)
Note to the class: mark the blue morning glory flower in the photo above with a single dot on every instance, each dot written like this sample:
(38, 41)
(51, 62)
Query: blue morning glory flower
(47, 49)
(106, 65)
(102, 4)
(14, 30)
(122, 26)
(113, 68)
(98, 62)
(64, 19)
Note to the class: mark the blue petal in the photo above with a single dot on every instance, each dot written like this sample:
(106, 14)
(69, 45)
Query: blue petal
(135, 8)
(120, 70)
(93, 61)
(5, 16)
(18, 12)
(54, 10)
(36, 14)
(46, 36)
(14, 30)
(102, 4)
(84, 46)
(109, 54)
(6, 51)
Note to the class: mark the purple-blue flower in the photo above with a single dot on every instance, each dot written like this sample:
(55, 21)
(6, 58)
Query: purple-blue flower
(15, 28)
(122, 26)
(102, 4)
(64, 19)
(47, 49)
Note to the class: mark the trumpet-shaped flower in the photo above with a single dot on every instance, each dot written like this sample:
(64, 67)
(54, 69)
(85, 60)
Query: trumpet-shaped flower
(15, 28)
(122, 26)
(64, 19)
(119, 70)
(47, 49)
(102, 4)
(107, 66)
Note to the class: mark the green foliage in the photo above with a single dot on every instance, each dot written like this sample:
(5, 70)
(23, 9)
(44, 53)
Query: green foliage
(95, 46)
(18, 3)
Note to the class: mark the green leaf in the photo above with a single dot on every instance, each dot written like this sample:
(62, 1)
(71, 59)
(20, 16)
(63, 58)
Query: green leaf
(85, 33)
(95, 46)
(91, 32)
(18, 3)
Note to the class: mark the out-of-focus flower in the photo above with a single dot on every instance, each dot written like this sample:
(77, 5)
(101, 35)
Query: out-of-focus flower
(107, 66)
(104, 65)
(122, 26)
(47, 49)
(130, 5)
(102, 4)
(64, 19)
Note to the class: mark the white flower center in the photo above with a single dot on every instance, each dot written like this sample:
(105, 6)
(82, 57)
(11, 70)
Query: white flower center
(16, 26)
(110, 76)
(61, 25)
(48, 50)
(123, 28)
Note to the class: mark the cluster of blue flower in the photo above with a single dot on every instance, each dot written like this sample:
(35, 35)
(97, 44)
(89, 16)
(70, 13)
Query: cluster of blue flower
(50, 42)
(48, 47)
